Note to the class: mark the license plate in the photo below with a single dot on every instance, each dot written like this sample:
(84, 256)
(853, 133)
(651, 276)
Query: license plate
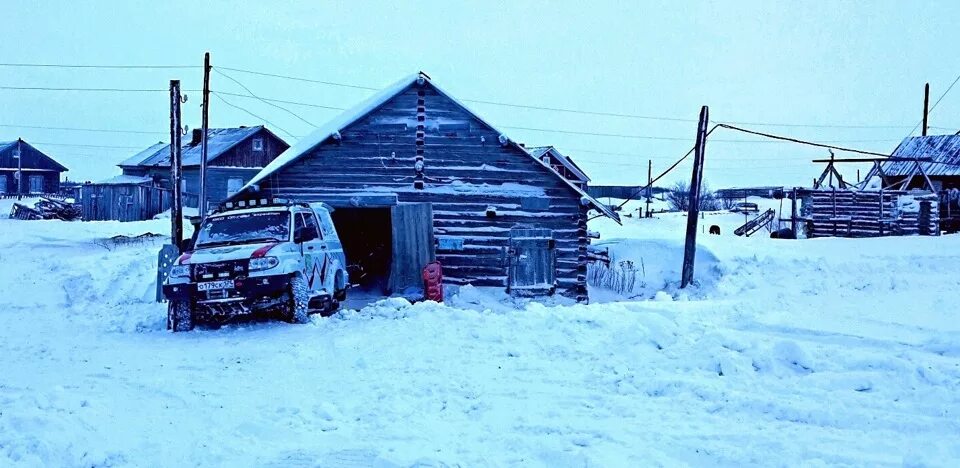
(226, 284)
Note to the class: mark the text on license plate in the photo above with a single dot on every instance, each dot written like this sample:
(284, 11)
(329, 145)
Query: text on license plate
(226, 284)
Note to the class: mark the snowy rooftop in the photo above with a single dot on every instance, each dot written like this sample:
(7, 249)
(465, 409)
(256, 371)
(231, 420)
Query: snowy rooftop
(126, 179)
(539, 151)
(219, 141)
(348, 117)
(944, 150)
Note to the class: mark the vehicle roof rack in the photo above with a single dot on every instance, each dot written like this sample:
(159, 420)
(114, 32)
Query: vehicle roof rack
(257, 202)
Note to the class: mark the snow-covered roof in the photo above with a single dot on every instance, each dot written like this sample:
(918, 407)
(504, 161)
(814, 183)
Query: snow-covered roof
(361, 110)
(126, 179)
(943, 150)
(219, 141)
(539, 151)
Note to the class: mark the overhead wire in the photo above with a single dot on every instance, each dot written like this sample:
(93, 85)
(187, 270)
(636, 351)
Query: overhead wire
(218, 96)
(264, 100)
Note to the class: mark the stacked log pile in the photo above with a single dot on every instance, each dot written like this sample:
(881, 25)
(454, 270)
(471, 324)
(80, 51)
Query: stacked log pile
(869, 213)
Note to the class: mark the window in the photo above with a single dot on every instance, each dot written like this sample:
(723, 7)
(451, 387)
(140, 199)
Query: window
(310, 221)
(258, 144)
(306, 221)
(233, 185)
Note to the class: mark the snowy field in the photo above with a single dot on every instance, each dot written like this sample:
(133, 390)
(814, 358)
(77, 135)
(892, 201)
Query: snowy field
(809, 352)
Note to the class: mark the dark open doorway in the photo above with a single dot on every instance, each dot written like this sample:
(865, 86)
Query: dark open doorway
(366, 236)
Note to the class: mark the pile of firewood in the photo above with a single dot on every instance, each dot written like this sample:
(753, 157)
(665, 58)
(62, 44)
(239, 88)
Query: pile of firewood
(46, 209)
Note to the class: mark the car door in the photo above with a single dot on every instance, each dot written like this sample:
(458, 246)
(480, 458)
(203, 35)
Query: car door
(315, 262)
(338, 260)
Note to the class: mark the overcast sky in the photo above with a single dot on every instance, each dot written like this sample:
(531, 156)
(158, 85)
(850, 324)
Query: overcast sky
(821, 63)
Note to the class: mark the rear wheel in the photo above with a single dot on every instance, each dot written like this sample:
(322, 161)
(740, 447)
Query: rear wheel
(179, 316)
(299, 301)
(340, 288)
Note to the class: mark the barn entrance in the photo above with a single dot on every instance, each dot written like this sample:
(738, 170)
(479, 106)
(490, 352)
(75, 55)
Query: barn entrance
(367, 243)
(386, 247)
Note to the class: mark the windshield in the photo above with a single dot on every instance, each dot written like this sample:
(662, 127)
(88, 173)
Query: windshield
(245, 228)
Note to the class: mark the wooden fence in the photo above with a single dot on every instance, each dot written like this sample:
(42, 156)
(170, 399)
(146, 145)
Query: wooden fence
(868, 213)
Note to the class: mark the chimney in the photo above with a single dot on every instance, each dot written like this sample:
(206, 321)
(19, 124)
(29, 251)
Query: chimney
(197, 136)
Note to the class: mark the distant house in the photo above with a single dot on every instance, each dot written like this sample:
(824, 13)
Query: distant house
(415, 177)
(561, 164)
(234, 156)
(41, 174)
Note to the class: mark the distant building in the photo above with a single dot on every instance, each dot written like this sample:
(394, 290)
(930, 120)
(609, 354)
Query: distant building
(234, 156)
(561, 164)
(41, 173)
(942, 169)
(123, 198)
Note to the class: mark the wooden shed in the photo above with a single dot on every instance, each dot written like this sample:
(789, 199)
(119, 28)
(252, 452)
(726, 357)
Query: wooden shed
(416, 176)
(123, 198)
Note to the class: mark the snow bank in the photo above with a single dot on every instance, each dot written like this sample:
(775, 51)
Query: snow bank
(640, 269)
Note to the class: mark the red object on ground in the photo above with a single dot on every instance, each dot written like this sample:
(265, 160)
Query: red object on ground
(433, 282)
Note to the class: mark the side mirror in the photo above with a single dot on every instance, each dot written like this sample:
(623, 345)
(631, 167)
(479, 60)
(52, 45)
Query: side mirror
(303, 234)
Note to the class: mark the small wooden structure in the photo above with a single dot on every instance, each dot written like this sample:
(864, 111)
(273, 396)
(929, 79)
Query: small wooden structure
(40, 173)
(416, 176)
(123, 198)
(561, 164)
(234, 156)
(833, 212)
(929, 162)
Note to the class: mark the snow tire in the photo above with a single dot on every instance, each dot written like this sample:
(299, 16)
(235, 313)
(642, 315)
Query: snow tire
(179, 316)
(299, 306)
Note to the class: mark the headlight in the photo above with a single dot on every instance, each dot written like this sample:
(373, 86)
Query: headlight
(263, 263)
(180, 271)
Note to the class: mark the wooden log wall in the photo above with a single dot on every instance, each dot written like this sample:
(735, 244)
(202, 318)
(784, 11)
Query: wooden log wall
(466, 170)
(851, 213)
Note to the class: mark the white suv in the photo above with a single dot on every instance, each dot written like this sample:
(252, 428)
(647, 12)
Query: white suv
(257, 256)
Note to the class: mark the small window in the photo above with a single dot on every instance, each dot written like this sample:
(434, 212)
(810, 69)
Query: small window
(310, 221)
(258, 144)
(233, 185)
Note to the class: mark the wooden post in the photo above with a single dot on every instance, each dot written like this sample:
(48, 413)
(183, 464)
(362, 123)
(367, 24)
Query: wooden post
(202, 204)
(690, 248)
(19, 169)
(176, 203)
(649, 184)
(926, 106)
(793, 213)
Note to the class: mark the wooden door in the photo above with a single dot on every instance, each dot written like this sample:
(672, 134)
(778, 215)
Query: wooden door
(412, 232)
(532, 262)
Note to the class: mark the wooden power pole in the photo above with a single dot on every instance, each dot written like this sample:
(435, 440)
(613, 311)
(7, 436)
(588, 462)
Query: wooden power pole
(202, 204)
(926, 106)
(19, 169)
(696, 179)
(176, 202)
(649, 184)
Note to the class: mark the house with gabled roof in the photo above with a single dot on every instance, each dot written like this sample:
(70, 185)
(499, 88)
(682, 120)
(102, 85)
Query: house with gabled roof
(561, 164)
(23, 165)
(416, 177)
(234, 156)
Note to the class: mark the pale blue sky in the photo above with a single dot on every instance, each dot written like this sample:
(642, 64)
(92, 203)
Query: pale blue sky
(844, 63)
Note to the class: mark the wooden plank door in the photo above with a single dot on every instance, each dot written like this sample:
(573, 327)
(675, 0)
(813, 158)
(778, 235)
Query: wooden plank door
(532, 262)
(412, 232)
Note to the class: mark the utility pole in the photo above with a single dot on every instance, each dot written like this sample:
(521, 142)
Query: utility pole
(19, 169)
(696, 178)
(926, 106)
(649, 184)
(202, 204)
(176, 202)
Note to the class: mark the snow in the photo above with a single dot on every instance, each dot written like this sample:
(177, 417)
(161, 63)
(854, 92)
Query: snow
(126, 179)
(792, 352)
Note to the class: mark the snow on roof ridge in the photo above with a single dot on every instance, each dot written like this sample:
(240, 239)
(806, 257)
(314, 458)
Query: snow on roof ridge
(357, 112)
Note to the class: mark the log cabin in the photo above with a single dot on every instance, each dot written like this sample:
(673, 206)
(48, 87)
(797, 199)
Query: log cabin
(416, 177)
(40, 173)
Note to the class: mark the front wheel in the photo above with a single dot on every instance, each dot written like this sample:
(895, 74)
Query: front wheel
(179, 316)
(299, 301)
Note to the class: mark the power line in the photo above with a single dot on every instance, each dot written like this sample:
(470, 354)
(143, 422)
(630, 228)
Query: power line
(85, 146)
(648, 137)
(282, 101)
(78, 129)
(218, 96)
(98, 90)
(930, 111)
(802, 142)
(264, 100)
(574, 111)
(108, 67)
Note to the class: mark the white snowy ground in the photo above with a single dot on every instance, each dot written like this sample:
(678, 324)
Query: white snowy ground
(827, 351)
